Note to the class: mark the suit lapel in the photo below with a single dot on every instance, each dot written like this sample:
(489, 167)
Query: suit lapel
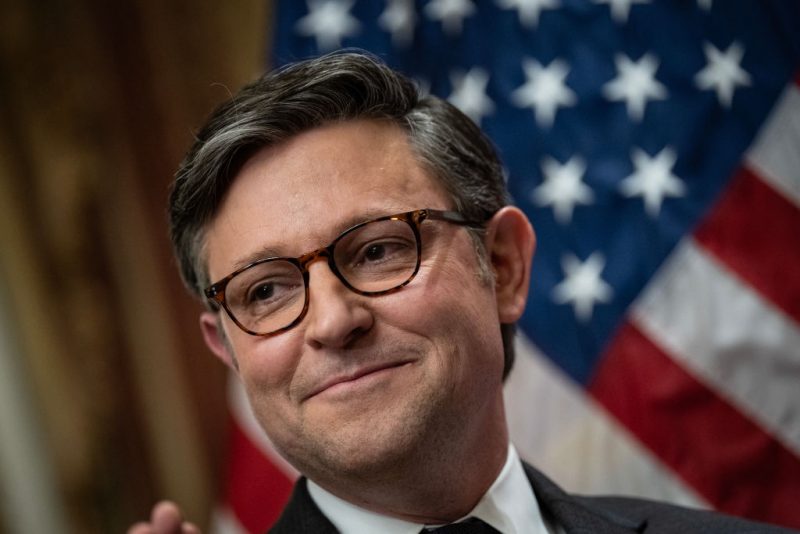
(302, 514)
(573, 515)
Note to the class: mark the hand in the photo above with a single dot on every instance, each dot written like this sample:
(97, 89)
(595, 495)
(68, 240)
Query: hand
(165, 518)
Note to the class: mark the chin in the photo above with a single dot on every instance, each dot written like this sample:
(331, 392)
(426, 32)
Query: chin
(376, 446)
(366, 451)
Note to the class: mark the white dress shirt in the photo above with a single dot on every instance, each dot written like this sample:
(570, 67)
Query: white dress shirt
(509, 506)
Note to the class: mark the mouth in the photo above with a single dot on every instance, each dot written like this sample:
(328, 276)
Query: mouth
(360, 378)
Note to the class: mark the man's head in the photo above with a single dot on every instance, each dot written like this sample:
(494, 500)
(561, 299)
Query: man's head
(363, 389)
(303, 96)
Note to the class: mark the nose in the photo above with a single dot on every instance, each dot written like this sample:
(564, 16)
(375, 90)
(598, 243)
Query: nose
(336, 316)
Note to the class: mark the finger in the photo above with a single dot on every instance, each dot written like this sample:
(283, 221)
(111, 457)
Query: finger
(189, 528)
(166, 518)
(140, 528)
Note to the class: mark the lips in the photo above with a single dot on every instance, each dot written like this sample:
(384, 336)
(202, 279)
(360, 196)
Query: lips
(354, 376)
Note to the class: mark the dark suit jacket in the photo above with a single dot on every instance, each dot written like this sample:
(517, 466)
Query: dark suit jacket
(576, 515)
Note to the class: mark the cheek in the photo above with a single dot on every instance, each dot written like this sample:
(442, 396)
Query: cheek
(267, 369)
(452, 306)
(266, 366)
(456, 290)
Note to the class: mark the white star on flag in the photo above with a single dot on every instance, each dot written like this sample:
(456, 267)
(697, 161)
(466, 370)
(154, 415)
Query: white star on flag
(652, 179)
(329, 21)
(635, 84)
(469, 93)
(528, 10)
(399, 19)
(722, 72)
(451, 12)
(704, 4)
(545, 90)
(563, 187)
(620, 9)
(582, 285)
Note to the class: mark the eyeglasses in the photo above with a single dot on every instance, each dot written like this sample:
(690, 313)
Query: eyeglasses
(376, 257)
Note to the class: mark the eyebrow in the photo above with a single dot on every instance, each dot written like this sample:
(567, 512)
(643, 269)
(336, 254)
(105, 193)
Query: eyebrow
(260, 254)
(269, 251)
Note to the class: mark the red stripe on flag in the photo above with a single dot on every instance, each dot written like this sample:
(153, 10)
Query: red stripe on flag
(728, 459)
(256, 490)
(755, 232)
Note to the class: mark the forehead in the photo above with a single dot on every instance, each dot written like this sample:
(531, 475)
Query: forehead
(296, 196)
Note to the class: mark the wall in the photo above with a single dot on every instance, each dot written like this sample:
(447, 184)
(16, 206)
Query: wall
(118, 403)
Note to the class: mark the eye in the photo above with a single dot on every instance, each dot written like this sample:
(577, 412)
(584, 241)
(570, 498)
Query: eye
(375, 252)
(262, 292)
(378, 246)
(386, 250)
(269, 292)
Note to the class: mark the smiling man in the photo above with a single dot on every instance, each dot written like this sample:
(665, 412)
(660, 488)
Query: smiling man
(396, 379)
(363, 273)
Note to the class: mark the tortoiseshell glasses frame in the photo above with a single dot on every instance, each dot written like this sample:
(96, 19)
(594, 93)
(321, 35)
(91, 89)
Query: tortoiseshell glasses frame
(373, 258)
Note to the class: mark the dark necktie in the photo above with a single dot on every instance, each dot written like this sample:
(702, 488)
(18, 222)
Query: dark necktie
(473, 525)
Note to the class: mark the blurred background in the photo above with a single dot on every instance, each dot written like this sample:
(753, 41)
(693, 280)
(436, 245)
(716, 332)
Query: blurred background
(655, 144)
(108, 398)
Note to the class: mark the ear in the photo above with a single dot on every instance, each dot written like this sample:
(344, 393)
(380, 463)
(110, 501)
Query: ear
(214, 336)
(510, 242)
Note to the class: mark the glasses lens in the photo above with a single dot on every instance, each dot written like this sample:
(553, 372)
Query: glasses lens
(267, 296)
(378, 256)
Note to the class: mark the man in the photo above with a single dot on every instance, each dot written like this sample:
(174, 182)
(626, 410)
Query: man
(364, 271)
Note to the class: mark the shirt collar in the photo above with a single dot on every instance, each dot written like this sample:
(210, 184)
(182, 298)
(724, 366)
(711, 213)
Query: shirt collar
(351, 519)
(509, 506)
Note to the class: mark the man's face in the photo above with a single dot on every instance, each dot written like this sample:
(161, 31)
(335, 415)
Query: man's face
(363, 384)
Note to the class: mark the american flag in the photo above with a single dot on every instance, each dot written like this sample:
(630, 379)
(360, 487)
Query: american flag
(655, 145)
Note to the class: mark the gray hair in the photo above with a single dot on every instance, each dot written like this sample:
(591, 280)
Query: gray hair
(336, 87)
